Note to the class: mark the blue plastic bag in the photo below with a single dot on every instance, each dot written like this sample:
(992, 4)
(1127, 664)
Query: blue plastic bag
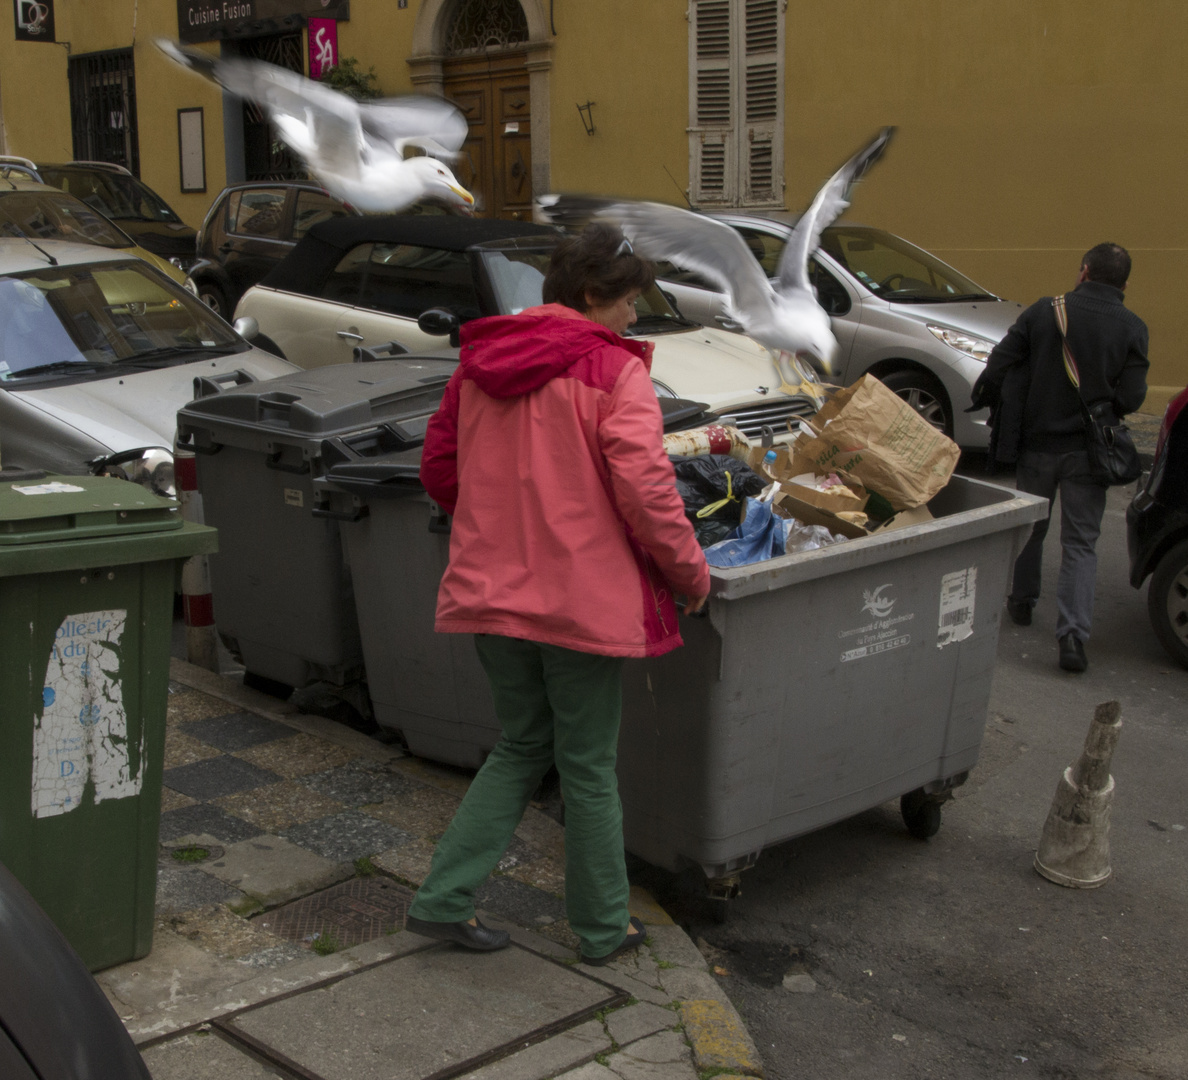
(761, 536)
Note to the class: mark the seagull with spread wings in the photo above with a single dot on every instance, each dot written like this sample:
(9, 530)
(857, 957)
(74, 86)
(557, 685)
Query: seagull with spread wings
(355, 148)
(783, 313)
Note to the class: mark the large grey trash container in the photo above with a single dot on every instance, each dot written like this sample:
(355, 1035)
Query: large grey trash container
(282, 597)
(820, 685)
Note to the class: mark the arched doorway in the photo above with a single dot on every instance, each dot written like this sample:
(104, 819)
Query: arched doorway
(491, 57)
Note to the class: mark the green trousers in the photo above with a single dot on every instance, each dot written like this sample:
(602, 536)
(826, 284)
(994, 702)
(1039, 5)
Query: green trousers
(554, 705)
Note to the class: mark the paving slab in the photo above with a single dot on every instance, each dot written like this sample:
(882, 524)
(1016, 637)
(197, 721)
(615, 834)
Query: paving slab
(236, 731)
(204, 1055)
(544, 1059)
(660, 1057)
(274, 870)
(639, 1021)
(347, 836)
(421, 1013)
(203, 818)
(217, 776)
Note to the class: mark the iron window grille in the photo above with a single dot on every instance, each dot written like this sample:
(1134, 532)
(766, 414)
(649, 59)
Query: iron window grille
(103, 108)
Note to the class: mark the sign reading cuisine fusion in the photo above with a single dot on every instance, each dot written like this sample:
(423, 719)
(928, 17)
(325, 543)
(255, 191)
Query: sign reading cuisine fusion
(209, 20)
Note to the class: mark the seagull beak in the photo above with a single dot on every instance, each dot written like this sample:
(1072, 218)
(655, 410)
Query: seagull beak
(462, 194)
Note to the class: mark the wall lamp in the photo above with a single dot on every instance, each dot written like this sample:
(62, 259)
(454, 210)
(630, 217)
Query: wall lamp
(584, 111)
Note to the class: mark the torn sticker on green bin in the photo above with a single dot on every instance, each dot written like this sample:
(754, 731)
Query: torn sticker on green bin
(81, 737)
(957, 594)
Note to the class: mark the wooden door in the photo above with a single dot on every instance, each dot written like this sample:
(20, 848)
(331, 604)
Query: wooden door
(496, 162)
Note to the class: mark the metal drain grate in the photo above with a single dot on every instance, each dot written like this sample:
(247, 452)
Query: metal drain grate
(351, 913)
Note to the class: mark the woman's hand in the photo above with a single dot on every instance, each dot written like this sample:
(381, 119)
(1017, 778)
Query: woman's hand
(694, 604)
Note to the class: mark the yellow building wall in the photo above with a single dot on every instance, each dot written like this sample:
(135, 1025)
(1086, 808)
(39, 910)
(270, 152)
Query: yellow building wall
(631, 60)
(1029, 130)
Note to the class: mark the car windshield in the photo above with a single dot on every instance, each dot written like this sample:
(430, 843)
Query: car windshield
(71, 322)
(45, 214)
(517, 274)
(895, 270)
(113, 194)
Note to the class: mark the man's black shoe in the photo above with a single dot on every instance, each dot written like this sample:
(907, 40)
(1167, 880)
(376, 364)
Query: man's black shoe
(1019, 611)
(476, 936)
(1072, 653)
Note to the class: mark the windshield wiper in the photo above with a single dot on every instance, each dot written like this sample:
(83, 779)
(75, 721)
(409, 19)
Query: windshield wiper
(971, 296)
(170, 352)
(56, 366)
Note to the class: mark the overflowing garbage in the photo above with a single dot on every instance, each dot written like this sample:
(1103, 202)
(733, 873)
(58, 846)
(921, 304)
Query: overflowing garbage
(867, 461)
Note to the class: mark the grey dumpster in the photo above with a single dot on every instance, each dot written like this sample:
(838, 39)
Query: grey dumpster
(282, 597)
(820, 684)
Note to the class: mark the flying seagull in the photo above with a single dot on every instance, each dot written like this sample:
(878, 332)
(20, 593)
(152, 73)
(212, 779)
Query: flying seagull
(783, 313)
(355, 148)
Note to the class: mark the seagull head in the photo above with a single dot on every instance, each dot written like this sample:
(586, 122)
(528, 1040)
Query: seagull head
(438, 181)
(821, 346)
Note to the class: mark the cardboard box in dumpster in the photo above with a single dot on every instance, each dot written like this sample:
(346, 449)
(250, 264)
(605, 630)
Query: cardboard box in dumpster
(871, 433)
(848, 497)
(808, 514)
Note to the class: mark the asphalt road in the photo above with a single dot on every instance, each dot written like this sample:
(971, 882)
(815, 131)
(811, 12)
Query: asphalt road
(858, 951)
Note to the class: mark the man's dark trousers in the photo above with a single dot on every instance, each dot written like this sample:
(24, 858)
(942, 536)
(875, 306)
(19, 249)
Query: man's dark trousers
(1082, 506)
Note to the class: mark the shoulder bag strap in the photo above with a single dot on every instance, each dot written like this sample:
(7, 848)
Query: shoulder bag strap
(1070, 364)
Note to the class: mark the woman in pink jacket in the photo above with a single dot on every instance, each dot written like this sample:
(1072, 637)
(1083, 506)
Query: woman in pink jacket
(568, 543)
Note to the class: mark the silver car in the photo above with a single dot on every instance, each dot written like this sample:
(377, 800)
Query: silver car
(98, 351)
(897, 312)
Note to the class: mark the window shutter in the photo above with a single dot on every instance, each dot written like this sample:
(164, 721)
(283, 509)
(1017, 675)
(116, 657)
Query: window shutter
(736, 93)
(712, 100)
(762, 92)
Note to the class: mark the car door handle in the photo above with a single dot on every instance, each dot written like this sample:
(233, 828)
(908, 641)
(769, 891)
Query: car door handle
(347, 335)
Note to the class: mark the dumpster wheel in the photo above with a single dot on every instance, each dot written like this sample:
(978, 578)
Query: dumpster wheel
(921, 813)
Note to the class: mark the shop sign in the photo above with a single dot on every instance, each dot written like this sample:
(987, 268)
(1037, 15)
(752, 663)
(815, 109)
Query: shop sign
(323, 47)
(209, 20)
(34, 20)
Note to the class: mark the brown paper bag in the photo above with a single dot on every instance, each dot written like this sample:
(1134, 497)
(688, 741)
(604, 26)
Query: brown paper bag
(871, 433)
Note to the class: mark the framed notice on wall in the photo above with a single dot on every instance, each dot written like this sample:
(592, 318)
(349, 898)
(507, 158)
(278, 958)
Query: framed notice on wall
(191, 150)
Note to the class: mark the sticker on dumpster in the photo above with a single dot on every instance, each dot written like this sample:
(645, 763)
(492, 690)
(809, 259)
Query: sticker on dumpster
(883, 632)
(54, 487)
(957, 593)
(294, 497)
(81, 738)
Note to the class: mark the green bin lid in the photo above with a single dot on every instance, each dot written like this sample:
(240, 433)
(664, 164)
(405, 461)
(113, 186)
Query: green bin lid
(62, 522)
(57, 508)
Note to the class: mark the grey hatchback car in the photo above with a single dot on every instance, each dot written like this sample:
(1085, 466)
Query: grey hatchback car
(897, 312)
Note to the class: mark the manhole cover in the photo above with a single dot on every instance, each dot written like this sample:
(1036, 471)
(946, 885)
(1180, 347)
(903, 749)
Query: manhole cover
(351, 913)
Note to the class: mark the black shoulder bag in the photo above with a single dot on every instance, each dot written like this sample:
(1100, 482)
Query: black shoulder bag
(1113, 458)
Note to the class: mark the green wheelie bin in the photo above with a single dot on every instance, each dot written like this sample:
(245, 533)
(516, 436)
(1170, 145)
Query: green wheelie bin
(87, 572)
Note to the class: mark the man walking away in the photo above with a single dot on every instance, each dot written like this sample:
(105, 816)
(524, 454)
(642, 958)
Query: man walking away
(1037, 424)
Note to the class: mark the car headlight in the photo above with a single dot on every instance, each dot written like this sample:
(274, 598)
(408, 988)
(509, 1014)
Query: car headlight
(189, 286)
(663, 391)
(150, 467)
(977, 347)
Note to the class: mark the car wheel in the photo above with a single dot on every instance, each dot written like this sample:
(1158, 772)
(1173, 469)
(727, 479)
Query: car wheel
(924, 393)
(215, 299)
(1167, 602)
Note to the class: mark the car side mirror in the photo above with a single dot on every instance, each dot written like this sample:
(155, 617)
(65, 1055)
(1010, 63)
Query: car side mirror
(247, 327)
(439, 322)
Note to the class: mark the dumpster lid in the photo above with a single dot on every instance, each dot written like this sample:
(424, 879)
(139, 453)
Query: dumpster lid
(57, 508)
(318, 403)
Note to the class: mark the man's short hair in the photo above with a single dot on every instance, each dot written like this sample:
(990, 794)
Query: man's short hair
(598, 261)
(1108, 264)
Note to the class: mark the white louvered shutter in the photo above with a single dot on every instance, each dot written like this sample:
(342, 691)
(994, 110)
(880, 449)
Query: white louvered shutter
(761, 131)
(712, 100)
(736, 91)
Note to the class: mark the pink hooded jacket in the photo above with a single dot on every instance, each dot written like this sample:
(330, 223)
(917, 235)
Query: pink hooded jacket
(568, 528)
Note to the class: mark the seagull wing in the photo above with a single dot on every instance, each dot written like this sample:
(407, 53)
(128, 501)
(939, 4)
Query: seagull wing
(708, 247)
(434, 124)
(292, 101)
(831, 200)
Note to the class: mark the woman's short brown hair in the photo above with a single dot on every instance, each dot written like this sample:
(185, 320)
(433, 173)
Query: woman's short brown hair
(598, 261)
